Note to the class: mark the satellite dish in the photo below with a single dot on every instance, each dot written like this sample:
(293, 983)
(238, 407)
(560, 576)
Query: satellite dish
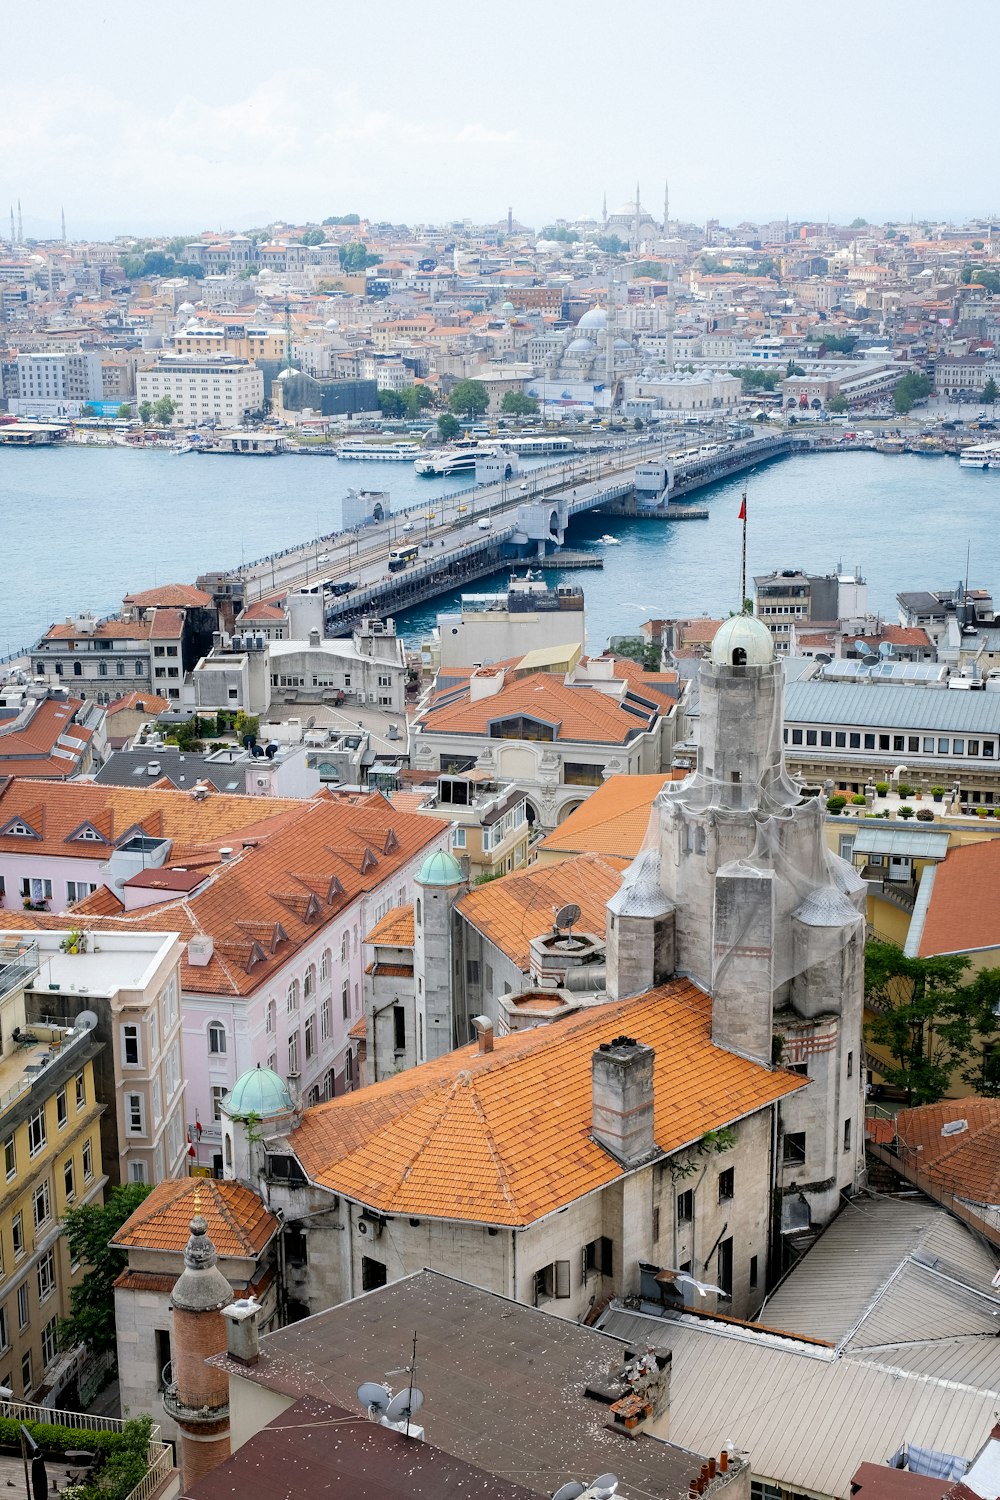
(885, 649)
(863, 648)
(571, 1491)
(404, 1404)
(605, 1486)
(85, 1021)
(567, 915)
(374, 1398)
(824, 658)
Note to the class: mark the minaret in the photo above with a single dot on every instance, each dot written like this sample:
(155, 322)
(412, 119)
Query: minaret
(604, 210)
(198, 1395)
(63, 212)
(666, 208)
(609, 332)
(636, 244)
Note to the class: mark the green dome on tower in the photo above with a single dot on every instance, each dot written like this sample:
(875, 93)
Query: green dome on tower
(258, 1092)
(440, 868)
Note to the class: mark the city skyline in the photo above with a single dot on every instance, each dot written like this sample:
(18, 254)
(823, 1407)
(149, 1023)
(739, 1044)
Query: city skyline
(132, 131)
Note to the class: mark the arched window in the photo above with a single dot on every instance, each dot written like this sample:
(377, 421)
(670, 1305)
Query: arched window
(419, 918)
(739, 656)
(324, 966)
(216, 1038)
(345, 947)
(77, 669)
(269, 1017)
(293, 995)
(309, 987)
(229, 1151)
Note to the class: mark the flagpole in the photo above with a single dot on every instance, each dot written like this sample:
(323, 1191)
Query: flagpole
(743, 568)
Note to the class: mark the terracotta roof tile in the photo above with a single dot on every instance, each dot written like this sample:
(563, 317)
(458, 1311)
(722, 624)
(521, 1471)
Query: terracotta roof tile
(966, 1163)
(964, 913)
(504, 1137)
(395, 929)
(238, 1222)
(613, 819)
(582, 714)
(171, 596)
(511, 911)
(144, 703)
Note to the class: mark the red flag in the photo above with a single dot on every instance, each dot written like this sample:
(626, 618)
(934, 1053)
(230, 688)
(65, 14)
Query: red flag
(743, 509)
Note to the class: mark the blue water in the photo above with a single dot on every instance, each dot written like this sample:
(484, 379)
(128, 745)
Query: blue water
(81, 527)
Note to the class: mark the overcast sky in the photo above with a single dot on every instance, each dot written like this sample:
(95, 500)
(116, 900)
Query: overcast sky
(194, 116)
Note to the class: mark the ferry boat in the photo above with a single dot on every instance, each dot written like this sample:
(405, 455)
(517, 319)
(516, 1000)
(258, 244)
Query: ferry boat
(391, 453)
(980, 456)
(33, 434)
(245, 444)
(457, 460)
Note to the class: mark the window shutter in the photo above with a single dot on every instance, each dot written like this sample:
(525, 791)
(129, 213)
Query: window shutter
(562, 1278)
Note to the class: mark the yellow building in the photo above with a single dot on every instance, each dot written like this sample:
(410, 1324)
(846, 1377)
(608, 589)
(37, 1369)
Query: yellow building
(50, 1133)
(240, 342)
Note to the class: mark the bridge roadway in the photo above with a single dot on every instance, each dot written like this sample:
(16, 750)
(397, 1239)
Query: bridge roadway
(455, 547)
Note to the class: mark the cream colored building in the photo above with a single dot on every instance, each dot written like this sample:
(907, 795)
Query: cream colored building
(215, 388)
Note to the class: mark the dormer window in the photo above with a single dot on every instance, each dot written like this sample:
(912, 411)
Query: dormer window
(19, 830)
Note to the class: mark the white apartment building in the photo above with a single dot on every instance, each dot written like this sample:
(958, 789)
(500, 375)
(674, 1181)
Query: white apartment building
(61, 383)
(204, 388)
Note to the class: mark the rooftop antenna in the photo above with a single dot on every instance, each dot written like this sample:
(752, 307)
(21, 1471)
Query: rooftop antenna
(565, 919)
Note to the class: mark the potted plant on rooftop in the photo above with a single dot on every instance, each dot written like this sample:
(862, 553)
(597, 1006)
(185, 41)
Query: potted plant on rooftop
(937, 792)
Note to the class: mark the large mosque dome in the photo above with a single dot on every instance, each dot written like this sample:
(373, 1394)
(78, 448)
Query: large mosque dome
(596, 319)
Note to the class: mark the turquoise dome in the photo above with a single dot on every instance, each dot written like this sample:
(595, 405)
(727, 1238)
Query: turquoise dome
(258, 1092)
(440, 868)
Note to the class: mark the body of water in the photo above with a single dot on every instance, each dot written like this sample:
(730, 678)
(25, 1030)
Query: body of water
(81, 527)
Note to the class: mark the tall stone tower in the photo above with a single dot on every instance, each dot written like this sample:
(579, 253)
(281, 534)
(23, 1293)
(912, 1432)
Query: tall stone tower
(736, 888)
(198, 1395)
(439, 883)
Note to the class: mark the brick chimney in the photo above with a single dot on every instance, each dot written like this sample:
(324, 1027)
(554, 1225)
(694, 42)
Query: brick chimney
(622, 1100)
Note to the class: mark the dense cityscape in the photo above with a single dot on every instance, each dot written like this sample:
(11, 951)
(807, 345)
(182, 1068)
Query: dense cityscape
(472, 1021)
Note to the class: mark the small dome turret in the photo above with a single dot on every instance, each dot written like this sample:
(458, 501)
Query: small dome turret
(258, 1092)
(440, 868)
(743, 641)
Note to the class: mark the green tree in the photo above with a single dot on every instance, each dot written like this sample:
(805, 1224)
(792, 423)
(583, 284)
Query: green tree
(415, 398)
(356, 257)
(245, 724)
(517, 404)
(990, 391)
(553, 232)
(925, 1019)
(837, 343)
(390, 404)
(646, 653)
(248, 271)
(988, 279)
(164, 410)
(89, 1230)
(125, 412)
(858, 224)
(793, 369)
(966, 275)
(145, 412)
(911, 389)
(653, 268)
(448, 427)
(610, 244)
(757, 379)
(837, 403)
(978, 245)
(314, 237)
(468, 398)
(343, 219)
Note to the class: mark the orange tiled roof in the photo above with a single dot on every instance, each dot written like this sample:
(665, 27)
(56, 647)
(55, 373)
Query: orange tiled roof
(613, 819)
(509, 912)
(967, 1163)
(395, 929)
(504, 1137)
(123, 630)
(581, 714)
(238, 1222)
(260, 609)
(167, 624)
(964, 913)
(100, 903)
(51, 744)
(144, 703)
(56, 812)
(172, 596)
(295, 873)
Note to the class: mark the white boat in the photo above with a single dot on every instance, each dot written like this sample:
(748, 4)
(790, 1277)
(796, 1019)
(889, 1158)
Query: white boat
(389, 453)
(453, 460)
(980, 456)
(609, 540)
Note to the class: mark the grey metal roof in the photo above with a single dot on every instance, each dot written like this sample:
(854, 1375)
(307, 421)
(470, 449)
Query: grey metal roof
(183, 767)
(848, 669)
(505, 1384)
(855, 1272)
(806, 1417)
(880, 706)
(910, 843)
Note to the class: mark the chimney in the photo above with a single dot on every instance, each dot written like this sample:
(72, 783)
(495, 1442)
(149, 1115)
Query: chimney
(200, 950)
(242, 1343)
(622, 1100)
(226, 852)
(314, 638)
(484, 1033)
(485, 683)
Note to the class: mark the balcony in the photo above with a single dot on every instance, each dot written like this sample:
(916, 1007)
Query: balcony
(161, 1479)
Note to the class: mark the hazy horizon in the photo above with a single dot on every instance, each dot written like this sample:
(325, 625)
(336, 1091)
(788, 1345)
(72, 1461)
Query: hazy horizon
(192, 121)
